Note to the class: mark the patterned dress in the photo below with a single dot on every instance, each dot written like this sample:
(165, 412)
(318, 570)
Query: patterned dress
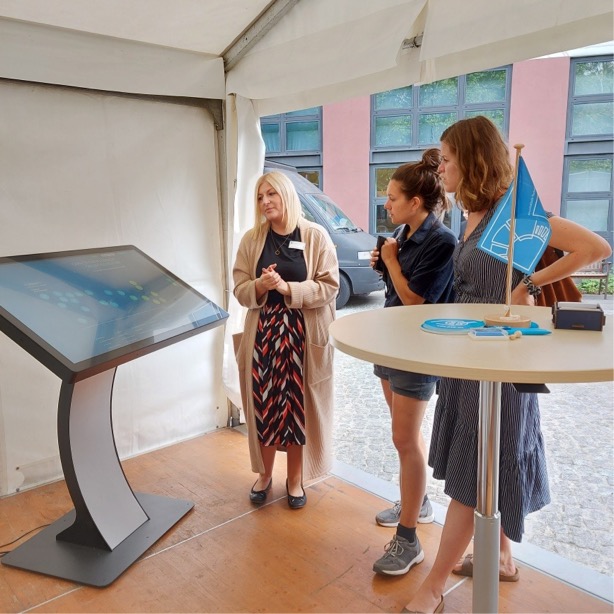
(277, 367)
(523, 477)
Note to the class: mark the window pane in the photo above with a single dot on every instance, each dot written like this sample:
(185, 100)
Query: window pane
(594, 78)
(382, 179)
(394, 99)
(302, 136)
(431, 126)
(590, 176)
(594, 118)
(393, 131)
(592, 214)
(306, 213)
(310, 111)
(495, 115)
(488, 86)
(313, 176)
(331, 212)
(440, 93)
(383, 224)
(270, 134)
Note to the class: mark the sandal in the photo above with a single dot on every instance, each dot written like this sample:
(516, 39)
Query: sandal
(467, 570)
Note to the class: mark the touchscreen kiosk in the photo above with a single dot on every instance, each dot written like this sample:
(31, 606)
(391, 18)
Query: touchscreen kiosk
(81, 314)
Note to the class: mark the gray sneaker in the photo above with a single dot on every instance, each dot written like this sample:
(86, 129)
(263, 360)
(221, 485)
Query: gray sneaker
(390, 517)
(400, 556)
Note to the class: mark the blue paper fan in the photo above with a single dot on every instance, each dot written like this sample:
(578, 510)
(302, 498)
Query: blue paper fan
(450, 326)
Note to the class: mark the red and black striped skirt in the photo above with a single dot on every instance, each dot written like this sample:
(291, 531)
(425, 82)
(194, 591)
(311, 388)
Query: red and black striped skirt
(277, 376)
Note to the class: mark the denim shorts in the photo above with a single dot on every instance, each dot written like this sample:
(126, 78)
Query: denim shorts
(406, 383)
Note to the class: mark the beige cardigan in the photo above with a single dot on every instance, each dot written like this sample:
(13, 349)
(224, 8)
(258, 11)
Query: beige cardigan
(316, 298)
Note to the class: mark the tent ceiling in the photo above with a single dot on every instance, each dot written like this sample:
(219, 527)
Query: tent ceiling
(311, 52)
(208, 26)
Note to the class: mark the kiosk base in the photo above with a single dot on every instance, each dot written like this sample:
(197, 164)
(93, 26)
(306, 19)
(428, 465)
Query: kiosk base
(93, 566)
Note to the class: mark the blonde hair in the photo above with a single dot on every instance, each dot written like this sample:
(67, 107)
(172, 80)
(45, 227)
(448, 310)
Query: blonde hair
(291, 205)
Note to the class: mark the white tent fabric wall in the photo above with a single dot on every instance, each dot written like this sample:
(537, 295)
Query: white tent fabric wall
(80, 170)
(34, 52)
(246, 154)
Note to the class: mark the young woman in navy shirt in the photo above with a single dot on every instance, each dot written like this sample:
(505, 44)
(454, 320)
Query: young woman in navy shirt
(418, 269)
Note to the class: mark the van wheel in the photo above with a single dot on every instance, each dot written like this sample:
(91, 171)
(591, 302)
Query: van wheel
(345, 290)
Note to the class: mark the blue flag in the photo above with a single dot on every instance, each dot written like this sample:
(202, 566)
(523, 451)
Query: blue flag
(532, 230)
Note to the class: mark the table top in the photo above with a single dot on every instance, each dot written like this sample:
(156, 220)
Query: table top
(392, 337)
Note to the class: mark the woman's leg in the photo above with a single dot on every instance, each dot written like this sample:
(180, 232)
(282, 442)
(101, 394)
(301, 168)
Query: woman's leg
(455, 537)
(295, 470)
(404, 550)
(507, 567)
(268, 458)
(387, 394)
(407, 415)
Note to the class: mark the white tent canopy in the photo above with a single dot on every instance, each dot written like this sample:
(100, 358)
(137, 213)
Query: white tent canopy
(297, 52)
(136, 122)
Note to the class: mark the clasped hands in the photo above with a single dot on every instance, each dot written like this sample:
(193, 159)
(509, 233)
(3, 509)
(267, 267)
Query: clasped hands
(270, 279)
(388, 252)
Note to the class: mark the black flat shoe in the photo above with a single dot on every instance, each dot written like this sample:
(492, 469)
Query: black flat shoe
(259, 496)
(296, 503)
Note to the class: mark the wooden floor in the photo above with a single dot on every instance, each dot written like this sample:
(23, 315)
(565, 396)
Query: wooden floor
(227, 556)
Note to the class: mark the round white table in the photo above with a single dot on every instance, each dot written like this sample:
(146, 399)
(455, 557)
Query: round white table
(393, 337)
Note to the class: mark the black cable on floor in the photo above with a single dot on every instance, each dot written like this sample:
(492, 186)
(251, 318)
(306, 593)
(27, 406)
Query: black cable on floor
(3, 552)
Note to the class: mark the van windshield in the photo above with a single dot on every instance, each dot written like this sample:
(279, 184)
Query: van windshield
(335, 217)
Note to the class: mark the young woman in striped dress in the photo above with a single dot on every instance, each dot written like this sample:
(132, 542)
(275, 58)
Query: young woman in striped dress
(476, 167)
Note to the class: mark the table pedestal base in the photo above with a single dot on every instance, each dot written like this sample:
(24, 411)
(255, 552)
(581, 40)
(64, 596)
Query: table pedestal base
(486, 562)
(45, 554)
(487, 524)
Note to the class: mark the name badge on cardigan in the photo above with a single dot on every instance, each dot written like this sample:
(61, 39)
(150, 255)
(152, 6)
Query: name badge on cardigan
(296, 245)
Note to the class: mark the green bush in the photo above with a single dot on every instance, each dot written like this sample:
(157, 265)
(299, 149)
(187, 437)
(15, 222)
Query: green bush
(591, 286)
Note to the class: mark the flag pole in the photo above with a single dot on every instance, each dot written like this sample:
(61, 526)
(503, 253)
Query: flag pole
(510, 246)
(509, 319)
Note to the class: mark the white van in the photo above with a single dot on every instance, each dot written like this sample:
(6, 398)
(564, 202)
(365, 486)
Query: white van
(353, 244)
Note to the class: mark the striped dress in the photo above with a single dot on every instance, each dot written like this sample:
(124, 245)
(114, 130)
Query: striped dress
(279, 350)
(523, 478)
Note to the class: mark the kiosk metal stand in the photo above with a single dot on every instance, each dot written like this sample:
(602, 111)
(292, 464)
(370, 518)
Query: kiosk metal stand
(111, 526)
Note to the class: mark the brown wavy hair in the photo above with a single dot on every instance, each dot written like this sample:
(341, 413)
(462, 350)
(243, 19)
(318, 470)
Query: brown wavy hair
(483, 161)
(422, 179)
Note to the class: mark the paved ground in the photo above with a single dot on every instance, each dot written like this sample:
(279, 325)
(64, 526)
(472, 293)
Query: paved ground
(578, 426)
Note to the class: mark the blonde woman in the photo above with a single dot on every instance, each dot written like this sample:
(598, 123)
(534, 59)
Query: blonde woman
(286, 274)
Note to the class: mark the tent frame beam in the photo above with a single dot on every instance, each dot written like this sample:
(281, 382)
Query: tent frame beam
(256, 31)
(215, 107)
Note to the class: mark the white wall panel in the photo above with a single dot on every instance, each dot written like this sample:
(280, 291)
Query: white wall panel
(82, 170)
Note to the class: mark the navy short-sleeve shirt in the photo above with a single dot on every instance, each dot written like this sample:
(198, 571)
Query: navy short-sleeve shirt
(426, 262)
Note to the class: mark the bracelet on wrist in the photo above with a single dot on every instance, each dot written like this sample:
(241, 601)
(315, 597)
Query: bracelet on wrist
(532, 289)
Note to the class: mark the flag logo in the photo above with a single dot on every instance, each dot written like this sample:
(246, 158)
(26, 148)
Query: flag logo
(532, 230)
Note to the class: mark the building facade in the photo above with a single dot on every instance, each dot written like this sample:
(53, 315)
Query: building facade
(560, 108)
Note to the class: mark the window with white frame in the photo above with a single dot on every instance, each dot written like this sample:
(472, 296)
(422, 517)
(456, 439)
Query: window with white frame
(295, 139)
(408, 120)
(588, 168)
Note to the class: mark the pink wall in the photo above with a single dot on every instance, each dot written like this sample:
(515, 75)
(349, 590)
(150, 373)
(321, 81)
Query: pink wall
(537, 119)
(346, 128)
(538, 113)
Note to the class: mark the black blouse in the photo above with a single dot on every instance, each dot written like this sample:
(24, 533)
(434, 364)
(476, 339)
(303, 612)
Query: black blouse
(290, 261)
